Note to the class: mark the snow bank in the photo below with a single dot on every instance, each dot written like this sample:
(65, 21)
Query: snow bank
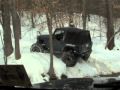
(37, 64)
(81, 69)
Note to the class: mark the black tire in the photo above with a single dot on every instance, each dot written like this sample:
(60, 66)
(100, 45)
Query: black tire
(36, 48)
(69, 59)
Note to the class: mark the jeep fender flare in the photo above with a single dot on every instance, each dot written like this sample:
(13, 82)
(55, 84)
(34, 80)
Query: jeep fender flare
(68, 48)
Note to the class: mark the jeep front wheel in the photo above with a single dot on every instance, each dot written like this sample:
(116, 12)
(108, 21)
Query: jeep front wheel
(36, 48)
(69, 59)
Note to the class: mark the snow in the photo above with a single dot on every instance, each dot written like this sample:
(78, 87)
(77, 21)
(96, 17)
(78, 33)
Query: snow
(81, 69)
(101, 61)
(37, 64)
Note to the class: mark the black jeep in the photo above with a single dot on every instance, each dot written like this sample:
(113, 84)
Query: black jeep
(68, 43)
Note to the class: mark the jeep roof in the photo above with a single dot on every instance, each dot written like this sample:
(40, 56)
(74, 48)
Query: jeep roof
(75, 36)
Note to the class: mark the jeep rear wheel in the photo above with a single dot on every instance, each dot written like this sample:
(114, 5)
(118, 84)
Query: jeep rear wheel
(69, 59)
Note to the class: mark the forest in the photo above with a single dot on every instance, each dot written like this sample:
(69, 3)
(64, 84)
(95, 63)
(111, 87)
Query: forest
(38, 15)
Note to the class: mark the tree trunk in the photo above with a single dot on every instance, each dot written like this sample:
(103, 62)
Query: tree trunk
(110, 27)
(16, 29)
(84, 15)
(71, 23)
(56, 21)
(32, 20)
(8, 48)
(49, 24)
(51, 69)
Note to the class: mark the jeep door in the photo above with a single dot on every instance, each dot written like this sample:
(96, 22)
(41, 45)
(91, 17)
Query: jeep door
(58, 43)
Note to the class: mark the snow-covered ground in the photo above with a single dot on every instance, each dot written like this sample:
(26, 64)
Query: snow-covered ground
(101, 61)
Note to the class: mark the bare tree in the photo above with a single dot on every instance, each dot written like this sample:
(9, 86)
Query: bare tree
(71, 13)
(51, 70)
(31, 6)
(84, 15)
(16, 28)
(110, 27)
(32, 20)
(49, 24)
(8, 48)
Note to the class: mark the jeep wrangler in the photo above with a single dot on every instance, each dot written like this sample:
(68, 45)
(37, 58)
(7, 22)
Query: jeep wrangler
(69, 44)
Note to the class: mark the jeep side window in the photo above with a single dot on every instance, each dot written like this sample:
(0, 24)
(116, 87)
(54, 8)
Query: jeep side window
(58, 34)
